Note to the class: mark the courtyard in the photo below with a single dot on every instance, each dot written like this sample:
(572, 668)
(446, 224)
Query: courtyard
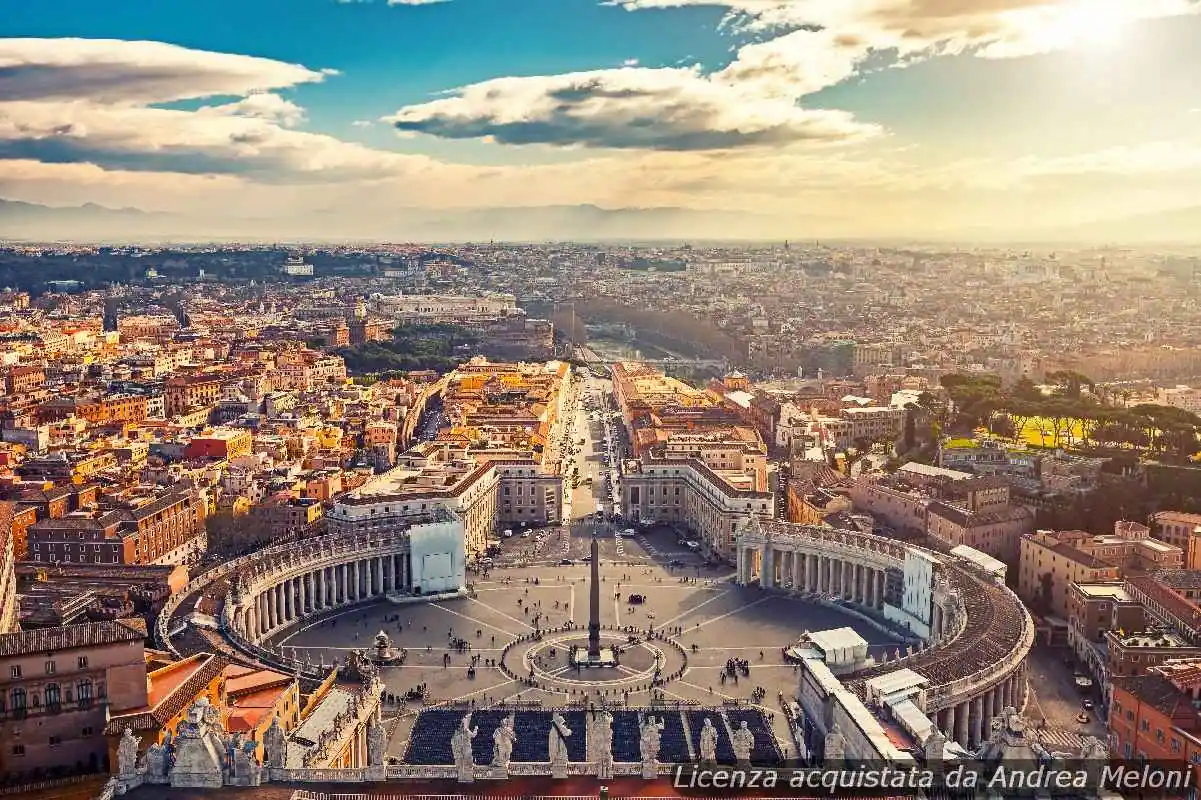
(455, 650)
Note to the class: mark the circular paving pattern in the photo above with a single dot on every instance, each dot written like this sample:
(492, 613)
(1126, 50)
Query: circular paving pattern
(545, 661)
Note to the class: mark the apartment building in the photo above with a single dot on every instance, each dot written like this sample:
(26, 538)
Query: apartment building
(1180, 530)
(138, 526)
(97, 409)
(715, 504)
(1050, 561)
(427, 478)
(58, 687)
(1185, 397)
(1154, 716)
(190, 392)
(1094, 609)
(305, 370)
(977, 512)
(10, 609)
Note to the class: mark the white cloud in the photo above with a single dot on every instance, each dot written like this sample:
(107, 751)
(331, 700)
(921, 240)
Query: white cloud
(754, 101)
(261, 105)
(628, 108)
(125, 72)
(71, 100)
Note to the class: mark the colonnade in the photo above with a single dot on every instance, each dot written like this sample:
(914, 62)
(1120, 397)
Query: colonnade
(322, 588)
(803, 571)
(969, 722)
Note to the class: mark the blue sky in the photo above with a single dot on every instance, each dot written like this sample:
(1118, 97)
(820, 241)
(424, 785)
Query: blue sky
(883, 116)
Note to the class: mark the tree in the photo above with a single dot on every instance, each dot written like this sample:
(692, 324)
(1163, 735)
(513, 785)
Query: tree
(1069, 383)
(1025, 389)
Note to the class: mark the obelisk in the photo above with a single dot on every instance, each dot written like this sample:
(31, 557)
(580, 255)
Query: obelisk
(594, 604)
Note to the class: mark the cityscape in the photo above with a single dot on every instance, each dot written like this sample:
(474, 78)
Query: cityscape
(648, 398)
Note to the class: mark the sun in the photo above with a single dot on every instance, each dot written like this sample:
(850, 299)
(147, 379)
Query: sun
(1097, 23)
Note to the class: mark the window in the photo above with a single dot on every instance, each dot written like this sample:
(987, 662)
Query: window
(18, 749)
(55, 741)
(50, 668)
(87, 730)
(16, 672)
(83, 662)
(54, 698)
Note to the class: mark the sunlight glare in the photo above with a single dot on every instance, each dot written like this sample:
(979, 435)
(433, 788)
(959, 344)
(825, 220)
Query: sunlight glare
(1096, 23)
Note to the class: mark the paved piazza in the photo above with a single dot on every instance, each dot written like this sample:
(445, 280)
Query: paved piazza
(722, 620)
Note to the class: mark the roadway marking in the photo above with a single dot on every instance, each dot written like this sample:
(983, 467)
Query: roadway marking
(694, 608)
(730, 613)
(476, 621)
(498, 611)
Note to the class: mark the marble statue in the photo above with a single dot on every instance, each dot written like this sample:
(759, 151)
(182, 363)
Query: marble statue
(744, 743)
(557, 745)
(377, 742)
(127, 755)
(1093, 749)
(154, 763)
(246, 769)
(648, 745)
(201, 756)
(708, 742)
(460, 746)
(503, 739)
(275, 746)
(603, 729)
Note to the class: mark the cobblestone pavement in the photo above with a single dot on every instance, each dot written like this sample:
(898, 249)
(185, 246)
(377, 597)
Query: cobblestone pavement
(723, 621)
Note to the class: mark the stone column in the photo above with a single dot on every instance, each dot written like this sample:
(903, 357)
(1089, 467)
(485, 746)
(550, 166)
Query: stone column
(379, 576)
(808, 572)
(961, 724)
(848, 579)
(949, 715)
(354, 581)
(765, 566)
(289, 599)
(798, 575)
(977, 718)
(272, 612)
(990, 711)
(264, 614)
(737, 564)
(880, 588)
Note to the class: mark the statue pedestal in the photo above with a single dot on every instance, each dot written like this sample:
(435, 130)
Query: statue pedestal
(496, 773)
(376, 773)
(466, 773)
(558, 770)
(650, 770)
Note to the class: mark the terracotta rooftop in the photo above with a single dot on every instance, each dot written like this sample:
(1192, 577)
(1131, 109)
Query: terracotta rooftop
(69, 637)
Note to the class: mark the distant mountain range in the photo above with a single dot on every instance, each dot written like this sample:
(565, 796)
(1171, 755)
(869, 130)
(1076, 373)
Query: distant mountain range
(91, 222)
(29, 221)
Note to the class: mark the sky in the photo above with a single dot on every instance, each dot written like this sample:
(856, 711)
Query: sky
(797, 117)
